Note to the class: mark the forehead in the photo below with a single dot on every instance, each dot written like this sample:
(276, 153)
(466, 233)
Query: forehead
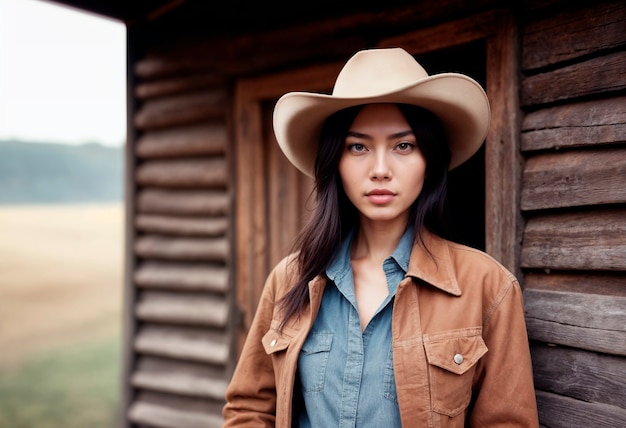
(375, 118)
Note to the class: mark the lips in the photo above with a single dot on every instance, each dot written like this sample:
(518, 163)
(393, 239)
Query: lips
(380, 196)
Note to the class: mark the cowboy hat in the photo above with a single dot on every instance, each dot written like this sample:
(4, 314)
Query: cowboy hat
(389, 75)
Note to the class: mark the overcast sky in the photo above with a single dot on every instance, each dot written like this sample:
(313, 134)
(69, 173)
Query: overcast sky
(62, 74)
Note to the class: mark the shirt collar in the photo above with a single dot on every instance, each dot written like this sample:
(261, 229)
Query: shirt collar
(433, 266)
(341, 261)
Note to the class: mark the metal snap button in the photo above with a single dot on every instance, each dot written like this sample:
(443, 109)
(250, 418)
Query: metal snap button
(273, 342)
(458, 358)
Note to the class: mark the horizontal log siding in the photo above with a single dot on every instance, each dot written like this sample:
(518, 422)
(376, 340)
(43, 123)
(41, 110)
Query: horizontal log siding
(182, 346)
(573, 198)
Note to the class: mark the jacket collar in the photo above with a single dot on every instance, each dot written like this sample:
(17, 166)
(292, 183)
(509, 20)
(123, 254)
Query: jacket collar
(433, 264)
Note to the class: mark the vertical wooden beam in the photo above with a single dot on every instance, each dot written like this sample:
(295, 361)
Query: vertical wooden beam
(503, 160)
(250, 202)
(129, 322)
(269, 191)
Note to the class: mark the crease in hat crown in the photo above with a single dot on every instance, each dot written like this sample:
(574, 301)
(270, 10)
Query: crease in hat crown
(384, 75)
(377, 72)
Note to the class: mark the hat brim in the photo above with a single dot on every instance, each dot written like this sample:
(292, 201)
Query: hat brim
(460, 103)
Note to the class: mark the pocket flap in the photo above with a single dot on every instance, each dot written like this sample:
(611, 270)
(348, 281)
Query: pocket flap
(455, 353)
(317, 342)
(274, 341)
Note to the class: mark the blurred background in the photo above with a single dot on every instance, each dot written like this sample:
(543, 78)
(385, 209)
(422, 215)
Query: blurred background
(62, 132)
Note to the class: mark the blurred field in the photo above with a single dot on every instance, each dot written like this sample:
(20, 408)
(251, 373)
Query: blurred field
(61, 269)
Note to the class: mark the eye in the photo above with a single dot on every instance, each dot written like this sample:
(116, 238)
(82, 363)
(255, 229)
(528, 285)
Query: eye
(405, 146)
(356, 148)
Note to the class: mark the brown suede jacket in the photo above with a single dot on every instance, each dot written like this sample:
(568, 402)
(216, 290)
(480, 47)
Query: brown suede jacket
(460, 348)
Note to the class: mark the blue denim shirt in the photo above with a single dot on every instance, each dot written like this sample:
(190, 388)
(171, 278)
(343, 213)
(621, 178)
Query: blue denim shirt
(346, 377)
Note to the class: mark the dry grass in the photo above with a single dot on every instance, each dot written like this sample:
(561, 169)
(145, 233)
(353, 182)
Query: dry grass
(61, 270)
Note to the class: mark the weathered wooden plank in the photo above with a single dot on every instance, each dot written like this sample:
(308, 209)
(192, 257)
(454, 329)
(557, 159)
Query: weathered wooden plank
(586, 321)
(178, 85)
(576, 241)
(181, 110)
(607, 284)
(333, 37)
(177, 225)
(187, 173)
(183, 202)
(583, 375)
(457, 32)
(503, 161)
(575, 125)
(573, 32)
(182, 308)
(182, 249)
(174, 377)
(182, 276)
(594, 76)
(556, 411)
(173, 412)
(197, 140)
(182, 343)
(575, 178)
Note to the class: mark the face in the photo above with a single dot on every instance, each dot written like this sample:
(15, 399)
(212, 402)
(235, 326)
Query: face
(381, 167)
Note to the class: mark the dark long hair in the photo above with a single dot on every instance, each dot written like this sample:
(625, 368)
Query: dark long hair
(334, 214)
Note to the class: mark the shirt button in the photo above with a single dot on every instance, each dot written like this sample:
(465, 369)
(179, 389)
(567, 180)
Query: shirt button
(273, 342)
(458, 358)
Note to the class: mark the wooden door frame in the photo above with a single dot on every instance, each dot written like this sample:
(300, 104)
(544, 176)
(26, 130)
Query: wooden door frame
(503, 164)
(503, 160)
(251, 216)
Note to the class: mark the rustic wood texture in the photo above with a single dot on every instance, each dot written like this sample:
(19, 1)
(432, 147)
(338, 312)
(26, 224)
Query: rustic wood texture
(183, 202)
(183, 173)
(178, 225)
(181, 110)
(182, 249)
(152, 409)
(586, 376)
(595, 76)
(200, 345)
(287, 199)
(576, 241)
(503, 162)
(182, 276)
(604, 283)
(574, 178)
(182, 308)
(580, 320)
(464, 30)
(175, 377)
(572, 34)
(178, 85)
(581, 124)
(556, 411)
(334, 37)
(205, 139)
(260, 238)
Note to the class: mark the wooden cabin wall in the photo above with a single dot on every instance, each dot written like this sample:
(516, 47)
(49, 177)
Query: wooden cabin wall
(177, 349)
(573, 199)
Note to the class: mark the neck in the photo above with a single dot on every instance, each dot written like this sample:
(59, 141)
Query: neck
(376, 240)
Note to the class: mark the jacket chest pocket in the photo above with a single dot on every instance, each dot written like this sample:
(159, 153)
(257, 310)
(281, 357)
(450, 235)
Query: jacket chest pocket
(452, 358)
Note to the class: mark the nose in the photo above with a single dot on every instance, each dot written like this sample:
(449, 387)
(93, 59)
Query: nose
(380, 167)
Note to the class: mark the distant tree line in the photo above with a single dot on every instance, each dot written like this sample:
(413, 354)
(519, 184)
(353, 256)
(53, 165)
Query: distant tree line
(60, 173)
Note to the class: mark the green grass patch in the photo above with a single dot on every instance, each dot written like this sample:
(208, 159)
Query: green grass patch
(71, 387)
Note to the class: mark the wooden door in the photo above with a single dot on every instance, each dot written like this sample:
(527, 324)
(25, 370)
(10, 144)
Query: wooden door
(272, 196)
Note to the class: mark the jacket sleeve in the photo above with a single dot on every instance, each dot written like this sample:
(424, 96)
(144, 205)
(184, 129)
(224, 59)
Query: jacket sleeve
(504, 394)
(251, 394)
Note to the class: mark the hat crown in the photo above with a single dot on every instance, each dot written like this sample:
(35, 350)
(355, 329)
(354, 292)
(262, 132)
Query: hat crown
(376, 72)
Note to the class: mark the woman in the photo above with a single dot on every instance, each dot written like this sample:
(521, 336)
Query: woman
(375, 319)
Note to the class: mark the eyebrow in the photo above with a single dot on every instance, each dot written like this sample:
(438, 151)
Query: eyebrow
(392, 136)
